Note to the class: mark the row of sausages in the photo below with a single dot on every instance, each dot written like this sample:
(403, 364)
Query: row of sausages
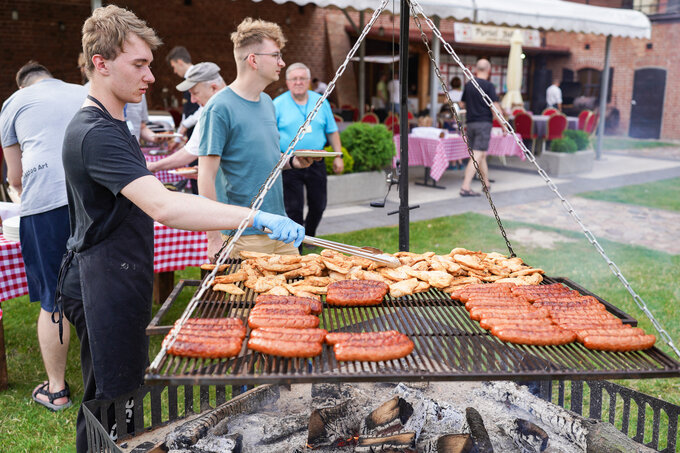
(547, 315)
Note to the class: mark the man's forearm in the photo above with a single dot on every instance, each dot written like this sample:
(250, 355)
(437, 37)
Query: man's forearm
(180, 158)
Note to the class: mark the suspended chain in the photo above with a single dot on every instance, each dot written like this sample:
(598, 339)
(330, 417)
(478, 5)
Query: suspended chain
(463, 134)
(228, 245)
(416, 11)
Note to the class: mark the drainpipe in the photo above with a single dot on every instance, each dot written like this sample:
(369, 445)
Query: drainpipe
(362, 69)
(604, 89)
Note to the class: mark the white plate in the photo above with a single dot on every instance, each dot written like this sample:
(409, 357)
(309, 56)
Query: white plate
(310, 153)
(191, 171)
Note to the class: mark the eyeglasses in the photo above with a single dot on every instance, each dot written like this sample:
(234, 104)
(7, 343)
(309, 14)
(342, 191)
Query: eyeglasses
(299, 79)
(277, 55)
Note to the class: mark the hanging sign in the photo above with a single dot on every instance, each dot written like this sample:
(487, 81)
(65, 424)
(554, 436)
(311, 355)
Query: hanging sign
(489, 34)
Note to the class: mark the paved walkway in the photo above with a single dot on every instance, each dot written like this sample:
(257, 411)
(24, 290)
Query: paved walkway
(524, 196)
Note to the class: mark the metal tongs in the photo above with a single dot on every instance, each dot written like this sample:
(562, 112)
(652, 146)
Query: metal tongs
(370, 253)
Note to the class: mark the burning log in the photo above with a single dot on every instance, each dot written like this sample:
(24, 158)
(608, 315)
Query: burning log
(391, 416)
(189, 433)
(478, 431)
(217, 444)
(529, 436)
(332, 425)
(402, 443)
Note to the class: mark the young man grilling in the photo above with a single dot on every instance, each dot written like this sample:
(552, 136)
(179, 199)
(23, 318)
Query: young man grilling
(107, 274)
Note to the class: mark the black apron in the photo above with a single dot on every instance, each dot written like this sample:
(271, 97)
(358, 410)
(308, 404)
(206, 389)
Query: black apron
(116, 281)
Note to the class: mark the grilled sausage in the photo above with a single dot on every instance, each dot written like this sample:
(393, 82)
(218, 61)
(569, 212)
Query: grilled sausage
(366, 353)
(623, 331)
(228, 332)
(212, 350)
(515, 323)
(270, 299)
(288, 334)
(211, 322)
(296, 322)
(368, 337)
(529, 337)
(477, 313)
(619, 343)
(282, 348)
(356, 292)
(280, 310)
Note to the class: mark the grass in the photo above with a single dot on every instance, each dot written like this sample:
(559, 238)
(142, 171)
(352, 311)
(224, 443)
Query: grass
(24, 426)
(660, 194)
(618, 143)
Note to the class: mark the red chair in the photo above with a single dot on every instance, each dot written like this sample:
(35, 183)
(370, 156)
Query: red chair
(517, 111)
(549, 111)
(370, 118)
(355, 111)
(524, 126)
(496, 123)
(557, 124)
(392, 123)
(591, 124)
(583, 119)
(338, 118)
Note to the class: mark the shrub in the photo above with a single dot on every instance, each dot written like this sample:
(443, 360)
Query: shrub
(563, 145)
(347, 160)
(371, 146)
(580, 137)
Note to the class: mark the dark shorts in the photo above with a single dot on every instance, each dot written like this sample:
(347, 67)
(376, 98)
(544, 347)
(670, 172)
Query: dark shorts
(479, 135)
(43, 244)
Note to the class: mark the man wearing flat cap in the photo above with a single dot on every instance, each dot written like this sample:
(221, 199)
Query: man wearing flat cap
(202, 81)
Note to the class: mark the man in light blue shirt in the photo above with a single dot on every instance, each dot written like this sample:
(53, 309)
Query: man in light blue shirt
(292, 108)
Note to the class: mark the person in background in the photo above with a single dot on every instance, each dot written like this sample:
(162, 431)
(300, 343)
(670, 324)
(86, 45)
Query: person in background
(394, 94)
(292, 108)
(479, 123)
(81, 67)
(180, 60)
(137, 116)
(239, 140)
(553, 95)
(32, 125)
(455, 93)
(106, 278)
(203, 82)
(318, 86)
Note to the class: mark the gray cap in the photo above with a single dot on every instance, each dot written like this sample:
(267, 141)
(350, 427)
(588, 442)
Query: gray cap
(201, 72)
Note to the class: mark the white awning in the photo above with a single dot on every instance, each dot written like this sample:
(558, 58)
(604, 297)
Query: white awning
(556, 15)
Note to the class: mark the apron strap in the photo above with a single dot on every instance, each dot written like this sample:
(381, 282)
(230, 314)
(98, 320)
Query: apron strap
(58, 296)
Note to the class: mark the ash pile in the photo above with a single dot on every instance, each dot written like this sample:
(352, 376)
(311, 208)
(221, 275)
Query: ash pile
(434, 417)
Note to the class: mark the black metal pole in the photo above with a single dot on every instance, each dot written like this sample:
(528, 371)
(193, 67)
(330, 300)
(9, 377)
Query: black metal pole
(403, 128)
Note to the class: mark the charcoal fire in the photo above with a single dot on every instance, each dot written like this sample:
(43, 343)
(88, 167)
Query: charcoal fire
(402, 442)
(478, 431)
(333, 425)
(530, 436)
(389, 417)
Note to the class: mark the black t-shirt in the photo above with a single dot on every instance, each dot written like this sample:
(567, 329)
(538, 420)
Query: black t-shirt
(100, 158)
(188, 109)
(477, 110)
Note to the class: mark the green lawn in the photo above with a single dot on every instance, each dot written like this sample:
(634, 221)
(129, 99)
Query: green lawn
(618, 143)
(24, 426)
(660, 194)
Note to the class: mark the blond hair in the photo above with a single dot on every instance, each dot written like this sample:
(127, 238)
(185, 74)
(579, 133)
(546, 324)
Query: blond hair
(107, 29)
(251, 33)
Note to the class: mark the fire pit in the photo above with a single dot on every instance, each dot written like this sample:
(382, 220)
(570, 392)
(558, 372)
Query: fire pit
(432, 417)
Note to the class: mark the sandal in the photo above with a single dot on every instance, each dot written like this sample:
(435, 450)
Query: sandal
(44, 390)
(468, 193)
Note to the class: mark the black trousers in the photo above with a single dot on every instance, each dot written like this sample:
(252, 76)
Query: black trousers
(295, 181)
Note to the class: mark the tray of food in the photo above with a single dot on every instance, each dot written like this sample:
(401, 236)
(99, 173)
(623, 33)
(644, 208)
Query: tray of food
(184, 171)
(315, 153)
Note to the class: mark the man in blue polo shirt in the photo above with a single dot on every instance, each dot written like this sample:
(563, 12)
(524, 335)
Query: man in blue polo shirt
(292, 108)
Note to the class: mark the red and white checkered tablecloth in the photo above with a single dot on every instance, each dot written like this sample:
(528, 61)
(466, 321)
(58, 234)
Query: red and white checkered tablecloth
(173, 250)
(437, 152)
(163, 176)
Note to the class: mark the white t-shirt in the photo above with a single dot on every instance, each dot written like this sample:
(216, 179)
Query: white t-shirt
(194, 141)
(393, 89)
(456, 95)
(553, 96)
(137, 114)
(36, 117)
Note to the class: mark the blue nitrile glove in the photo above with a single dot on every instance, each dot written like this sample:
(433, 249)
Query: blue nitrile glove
(283, 229)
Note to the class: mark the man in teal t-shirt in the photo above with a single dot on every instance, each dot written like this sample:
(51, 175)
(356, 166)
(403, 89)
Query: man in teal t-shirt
(292, 108)
(239, 139)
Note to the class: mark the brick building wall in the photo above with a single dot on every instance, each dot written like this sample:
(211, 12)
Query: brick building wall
(49, 31)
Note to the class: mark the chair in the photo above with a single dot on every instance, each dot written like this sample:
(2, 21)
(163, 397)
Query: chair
(517, 111)
(370, 118)
(549, 111)
(557, 124)
(392, 123)
(496, 123)
(338, 118)
(524, 126)
(583, 119)
(355, 111)
(591, 124)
